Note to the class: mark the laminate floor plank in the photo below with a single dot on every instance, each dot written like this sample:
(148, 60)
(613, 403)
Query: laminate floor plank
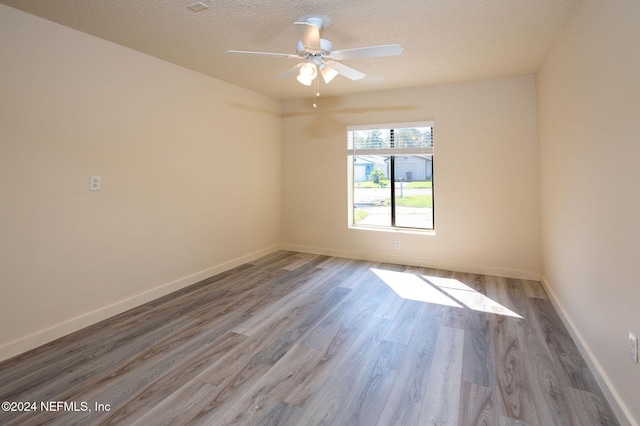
(242, 277)
(367, 398)
(251, 405)
(235, 360)
(201, 303)
(175, 409)
(441, 403)
(477, 407)
(337, 263)
(452, 316)
(404, 399)
(164, 388)
(477, 358)
(551, 402)
(328, 401)
(308, 317)
(458, 289)
(390, 306)
(149, 374)
(305, 339)
(302, 259)
(218, 279)
(88, 342)
(229, 394)
(534, 289)
(350, 323)
(282, 414)
(322, 283)
(368, 279)
(163, 314)
(590, 408)
(45, 384)
(256, 297)
(404, 323)
(515, 397)
(277, 259)
(349, 316)
(508, 421)
(231, 376)
(476, 281)
(571, 367)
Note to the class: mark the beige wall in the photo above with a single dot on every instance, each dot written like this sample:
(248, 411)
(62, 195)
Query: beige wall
(589, 115)
(190, 172)
(486, 182)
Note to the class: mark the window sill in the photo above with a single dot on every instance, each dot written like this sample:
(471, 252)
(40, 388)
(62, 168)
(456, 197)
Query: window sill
(396, 230)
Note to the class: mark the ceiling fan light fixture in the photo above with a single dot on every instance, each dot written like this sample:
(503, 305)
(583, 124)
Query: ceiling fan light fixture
(328, 73)
(308, 73)
(304, 80)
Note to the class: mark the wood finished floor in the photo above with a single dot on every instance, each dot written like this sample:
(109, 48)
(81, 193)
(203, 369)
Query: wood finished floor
(300, 339)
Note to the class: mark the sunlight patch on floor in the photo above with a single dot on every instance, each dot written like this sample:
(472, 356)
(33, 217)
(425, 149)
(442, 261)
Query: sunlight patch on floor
(469, 297)
(410, 286)
(439, 290)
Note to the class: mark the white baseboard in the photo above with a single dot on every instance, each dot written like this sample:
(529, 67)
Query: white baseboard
(52, 333)
(620, 410)
(435, 264)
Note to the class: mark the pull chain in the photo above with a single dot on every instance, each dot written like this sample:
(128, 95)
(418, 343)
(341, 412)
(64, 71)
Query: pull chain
(315, 93)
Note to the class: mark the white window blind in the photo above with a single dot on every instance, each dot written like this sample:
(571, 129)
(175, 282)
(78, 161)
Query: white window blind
(391, 139)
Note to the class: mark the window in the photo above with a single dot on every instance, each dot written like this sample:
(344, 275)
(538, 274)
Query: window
(391, 175)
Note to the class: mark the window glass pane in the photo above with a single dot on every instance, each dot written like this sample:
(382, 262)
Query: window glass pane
(371, 190)
(414, 191)
(414, 137)
(372, 139)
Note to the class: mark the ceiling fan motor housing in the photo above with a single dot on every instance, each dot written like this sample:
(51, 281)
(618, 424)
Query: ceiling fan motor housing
(326, 47)
(317, 20)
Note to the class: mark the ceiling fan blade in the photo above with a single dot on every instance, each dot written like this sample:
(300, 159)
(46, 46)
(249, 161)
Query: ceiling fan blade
(291, 71)
(368, 52)
(346, 71)
(244, 52)
(309, 35)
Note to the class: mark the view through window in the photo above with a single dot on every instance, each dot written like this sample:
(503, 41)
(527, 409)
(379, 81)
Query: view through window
(392, 175)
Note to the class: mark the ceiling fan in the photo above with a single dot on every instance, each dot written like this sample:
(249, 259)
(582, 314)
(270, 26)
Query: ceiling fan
(318, 55)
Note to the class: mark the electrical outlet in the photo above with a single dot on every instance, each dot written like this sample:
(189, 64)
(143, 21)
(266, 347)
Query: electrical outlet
(397, 245)
(94, 183)
(633, 347)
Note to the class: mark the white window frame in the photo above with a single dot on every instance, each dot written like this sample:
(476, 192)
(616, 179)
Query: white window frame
(352, 152)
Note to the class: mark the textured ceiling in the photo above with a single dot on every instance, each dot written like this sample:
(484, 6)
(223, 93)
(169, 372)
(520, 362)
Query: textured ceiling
(443, 40)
